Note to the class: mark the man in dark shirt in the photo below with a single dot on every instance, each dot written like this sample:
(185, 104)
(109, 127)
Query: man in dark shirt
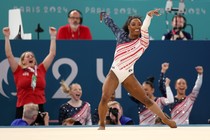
(177, 33)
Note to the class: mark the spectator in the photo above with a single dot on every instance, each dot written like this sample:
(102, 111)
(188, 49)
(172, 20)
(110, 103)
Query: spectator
(183, 104)
(115, 115)
(177, 33)
(30, 113)
(74, 30)
(29, 77)
(75, 108)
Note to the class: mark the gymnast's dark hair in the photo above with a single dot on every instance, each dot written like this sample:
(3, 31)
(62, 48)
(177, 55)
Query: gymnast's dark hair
(128, 21)
(150, 81)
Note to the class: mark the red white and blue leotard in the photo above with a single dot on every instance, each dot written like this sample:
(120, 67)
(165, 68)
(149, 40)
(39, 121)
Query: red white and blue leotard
(127, 51)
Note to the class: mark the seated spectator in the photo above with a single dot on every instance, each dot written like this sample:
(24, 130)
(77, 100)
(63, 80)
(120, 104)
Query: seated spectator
(30, 113)
(75, 108)
(177, 33)
(115, 115)
(74, 30)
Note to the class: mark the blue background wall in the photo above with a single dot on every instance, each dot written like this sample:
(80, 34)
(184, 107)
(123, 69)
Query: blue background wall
(87, 62)
(54, 13)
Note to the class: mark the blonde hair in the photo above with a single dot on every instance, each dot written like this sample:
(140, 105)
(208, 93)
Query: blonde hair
(111, 103)
(23, 56)
(30, 110)
(65, 88)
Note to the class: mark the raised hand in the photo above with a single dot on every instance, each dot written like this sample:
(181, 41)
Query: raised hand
(199, 69)
(101, 16)
(165, 67)
(6, 31)
(154, 12)
(167, 83)
(52, 31)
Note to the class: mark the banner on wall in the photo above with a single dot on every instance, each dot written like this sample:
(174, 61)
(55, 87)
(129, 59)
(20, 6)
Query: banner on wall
(54, 13)
(88, 62)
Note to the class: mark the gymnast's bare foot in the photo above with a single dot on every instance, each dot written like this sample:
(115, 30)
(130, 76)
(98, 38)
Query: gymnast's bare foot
(101, 127)
(170, 123)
